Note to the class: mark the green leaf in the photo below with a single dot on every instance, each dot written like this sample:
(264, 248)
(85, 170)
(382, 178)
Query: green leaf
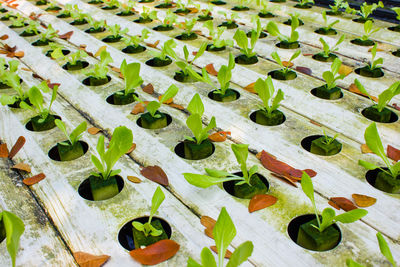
(351, 263)
(374, 142)
(204, 181)
(272, 28)
(62, 127)
(351, 216)
(241, 254)
(328, 215)
(336, 66)
(307, 186)
(224, 232)
(241, 152)
(186, 53)
(224, 77)
(295, 55)
(195, 124)
(100, 146)
(385, 250)
(138, 226)
(97, 163)
(36, 98)
(152, 107)
(170, 93)
(276, 57)
(207, 258)
(192, 263)
(201, 51)
(196, 105)
(278, 98)
(158, 198)
(367, 165)
(77, 133)
(14, 228)
(217, 173)
(131, 73)
(263, 90)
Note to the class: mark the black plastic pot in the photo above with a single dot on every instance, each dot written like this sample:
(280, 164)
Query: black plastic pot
(157, 62)
(328, 94)
(258, 185)
(263, 118)
(321, 57)
(61, 152)
(77, 66)
(283, 76)
(244, 60)
(315, 144)
(130, 49)
(385, 116)
(366, 71)
(93, 81)
(193, 151)
(187, 36)
(229, 96)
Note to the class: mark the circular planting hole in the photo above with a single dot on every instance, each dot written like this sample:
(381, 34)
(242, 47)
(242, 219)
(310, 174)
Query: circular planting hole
(121, 99)
(382, 183)
(130, 49)
(125, 13)
(5, 86)
(229, 96)
(212, 48)
(294, 227)
(125, 234)
(95, 30)
(77, 66)
(367, 72)
(321, 57)
(145, 121)
(85, 190)
(259, 186)
(64, 51)
(288, 45)
(280, 75)
(34, 125)
(315, 145)
(189, 150)
(244, 60)
(93, 81)
(54, 153)
(332, 94)
(157, 62)
(277, 118)
(385, 116)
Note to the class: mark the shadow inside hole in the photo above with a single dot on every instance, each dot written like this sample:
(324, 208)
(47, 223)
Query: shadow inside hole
(393, 116)
(275, 120)
(55, 155)
(180, 151)
(93, 81)
(5, 86)
(306, 144)
(371, 177)
(79, 64)
(229, 185)
(64, 52)
(85, 191)
(118, 99)
(294, 226)
(229, 96)
(125, 234)
(327, 96)
(169, 120)
(48, 126)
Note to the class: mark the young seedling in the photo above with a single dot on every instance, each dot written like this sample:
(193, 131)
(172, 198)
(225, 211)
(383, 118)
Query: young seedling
(285, 73)
(103, 183)
(328, 27)
(328, 52)
(168, 21)
(224, 232)
(11, 79)
(305, 4)
(131, 74)
(205, 14)
(325, 145)
(246, 183)
(287, 42)
(365, 11)
(31, 29)
(330, 90)
(292, 17)
(116, 33)
(152, 231)
(98, 74)
(266, 11)
(188, 26)
(79, 17)
(248, 55)
(230, 20)
(165, 4)
(155, 119)
(368, 31)
(182, 8)
(52, 6)
(223, 93)
(397, 27)
(127, 8)
(74, 60)
(46, 36)
(66, 12)
(268, 114)
(71, 148)
(319, 234)
(11, 229)
(4, 73)
(160, 58)
(387, 179)
(110, 4)
(96, 26)
(147, 15)
(133, 42)
(378, 111)
(18, 21)
(242, 5)
(197, 147)
(44, 120)
(218, 44)
(337, 5)
(372, 69)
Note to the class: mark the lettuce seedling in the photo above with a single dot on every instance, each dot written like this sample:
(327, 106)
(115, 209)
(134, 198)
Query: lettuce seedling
(328, 51)
(47, 36)
(272, 28)
(166, 49)
(368, 31)
(330, 77)
(147, 15)
(205, 14)
(120, 144)
(66, 12)
(11, 228)
(188, 26)
(96, 25)
(100, 69)
(224, 232)
(31, 29)
(52, 6)
(285, 67)
(230, 19)
(17, 21)
(111, 4)
(242, 5)
(74, 136)
(169, 19)
(265, 90)
(131, 73)
(72, 58)
(135, 40)
(116, 31)
(127, 8)
(304, 3)
(375, 63)
(265, 9)
(216, 34)
(147, 228)
(365, 11)
(337, 5)
(78, 16)
(242, 41)
(325, 145)
(153, 106)
(10, 78)
(328, 27)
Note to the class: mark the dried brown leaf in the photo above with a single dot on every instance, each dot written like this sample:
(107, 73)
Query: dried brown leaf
(155, 253)
(88, 260)
(133, 147)
(66, 36)
(134, 179)
(155, 174)
(138, 108)
(261, 201)
(250, 88)
(363, 200)
(148, 89)
(344, 203)
(365, 149)
(93, 130)
(345, 70)
(17, 147)
(219, 136)
(207, 221)
(211, 70)
(393, 153)
(22, 167)
(153, 45)
(173, 105)
(34, 179)
(3, 151)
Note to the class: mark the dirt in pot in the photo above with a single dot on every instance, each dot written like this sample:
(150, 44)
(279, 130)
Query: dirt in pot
(245, 60)
(283, 75)
(182, 77)
(204, 18)
(262, 34)
(328, 94)
(28, 34)
(229, 96)
(218, 2)
(366, 71)
(263, 118)
(304, 234)
(130, 238)
(318, 145)
(149, 122)
(119, 98)
(37, 124)
(240, 8)
(258, 185)
(289, 22)
(164, 5)
(143, 20)
(94, 81)
(384, 116)
(96, 188)
(64, 151)
(383, 181)
(187, 36)
(158, 62)
(79, 64)
(323, 58)
(125, 13)
(193, 151)
(266, 15)
(78, 22)
(131, 49)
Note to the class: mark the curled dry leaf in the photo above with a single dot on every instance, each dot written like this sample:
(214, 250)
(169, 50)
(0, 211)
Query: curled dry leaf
(4, 37)
(138, 108)
(261, 201)
(116, 70)
(193, 10)
(396, 106)
(250, 88)
(155, 253)
(88, 260)
(199, 32)
(315, 123)
(3, 151)
(26, 69)
(286, 179)
(363, 200)
(134, 179)
(153, 45)
(208, 222)
(66, 36)
(354, 89)
(307, 54)
(194, 53)
(93, 130)
(34, 179)
(133, 147)
(209, 232)
(333, 204)
(365, 149)
(211, 70)
(11, 51)
(344, 203)
(393, 153)
(287, 64)
(22, 167)
(155, 174)
(345, 70)
(228, 253)
(148, 89)
(304, 70)
(101, 49)
(219, 136)
(17, 147)
(173, 105)
(167, 102)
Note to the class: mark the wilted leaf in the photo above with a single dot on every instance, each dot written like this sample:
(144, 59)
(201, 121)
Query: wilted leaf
(22, 167)
(17, 147)
(209, 232)
(354, 89)
(4, 37)
(88, 260)
(228, 254)
(396, 106)
(218, 136)
(155, 253)
(133, 147)
(345, 70)
(138, 108)
(93, 130)
(19, 54)
(315, 123)
(3, 151)
(148, 89)
(34, 179)
(208, 222)
(393, 153)
(211, 70)
(66, 35)
(173, 105)
(261, 201)
(193, 10)
(101, 49)
(333, 204)
(250, 88)
(363, 200)
(344, 203)
(26, 69)
(304, 70)
(155, 174)
(287, 64)
(286, 179)
(365, 149)
(134, 179)
(154, 45)
(168, 101)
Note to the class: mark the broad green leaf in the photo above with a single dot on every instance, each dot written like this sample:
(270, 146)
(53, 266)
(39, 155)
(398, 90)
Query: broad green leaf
(14, 228)
(328, 215)
(138, 226)
(307, 186)
(156, 201)
(61, 126)
(295, 55)
(241, 254)
(374, 142)
(385, 250)
(201, 51)
(224, 77)
(241, 39)
(97, 163)
(170, 93)
(100, 146)
(192, 263)
(152, 107)
(278, 98)
(262, 90)
(36, 98)
(241, 152)
(77, 132)
(207, 258)
(351, 216)
(186, 53)
(205, 181)
(132, 77)
(272, 28)
(224, 231)
(351, 263)
(196, 105)
(336, 66)
(276, 57)
(195, 124)
(367, 165)
(217, 173)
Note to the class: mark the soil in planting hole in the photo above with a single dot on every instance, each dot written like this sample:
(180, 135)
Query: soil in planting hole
(55, 155)
(33, 126)
(187, 36)
(163, 28)
(320, 149)
(277, 118)
(85, 191)
(121, 98)
(125, 234)
(41, 42)
(259, 186)
(204, 18)
(294, 227)
(202, 151)
(212, 48)
(240, 8)
(125, 13)
(229, 96)
(371, 177)
(386, 116)
(77, 66)
(154, 125)
(28, 34)
(266, 15)
(112, 39)
(321, 57)
(93, 81)
(244, 60)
